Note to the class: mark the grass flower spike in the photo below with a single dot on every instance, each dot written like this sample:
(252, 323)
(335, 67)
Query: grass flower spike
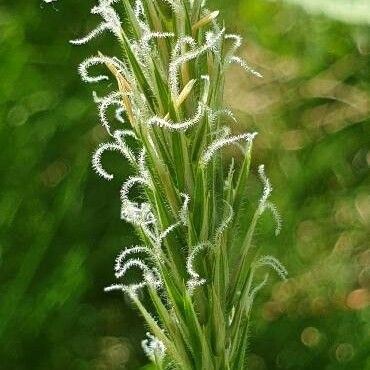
(195, 275)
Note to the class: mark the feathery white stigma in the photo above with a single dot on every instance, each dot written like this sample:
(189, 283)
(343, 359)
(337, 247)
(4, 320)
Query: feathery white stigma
(150, 277)
(245, 66)
(120, 136)
(254, 292)
(179, 126)
(138, 214)
(218, 144)
(155, 35)
(195, 279)
(182, 221)
(153, 348)
(236, 44)
(275, 264)
(115, 98)
(267, 188)
(226, 222)
(119, 146)
(94, 33)
(96, 159)
(176, 61)
(120, 260)
(221, 112)
(277, 217)
(184, 209)
(140, 14)
(96, 60)
(264, 201)
(183, 41)
(111, 22)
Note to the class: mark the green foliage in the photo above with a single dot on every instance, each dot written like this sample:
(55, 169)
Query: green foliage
(356, 11)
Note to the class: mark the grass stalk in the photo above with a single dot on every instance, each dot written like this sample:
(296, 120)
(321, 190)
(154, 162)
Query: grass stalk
(198, 277)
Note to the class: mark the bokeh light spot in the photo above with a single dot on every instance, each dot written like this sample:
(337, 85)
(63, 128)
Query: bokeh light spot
(310, 337)
(256, 362)
(344, 352)
(358, 299)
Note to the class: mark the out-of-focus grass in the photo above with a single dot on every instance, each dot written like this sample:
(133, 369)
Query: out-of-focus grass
(353, 11)
(312, 110)
(60, 227)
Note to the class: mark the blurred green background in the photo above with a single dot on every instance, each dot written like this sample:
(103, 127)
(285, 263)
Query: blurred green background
(59, 223)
